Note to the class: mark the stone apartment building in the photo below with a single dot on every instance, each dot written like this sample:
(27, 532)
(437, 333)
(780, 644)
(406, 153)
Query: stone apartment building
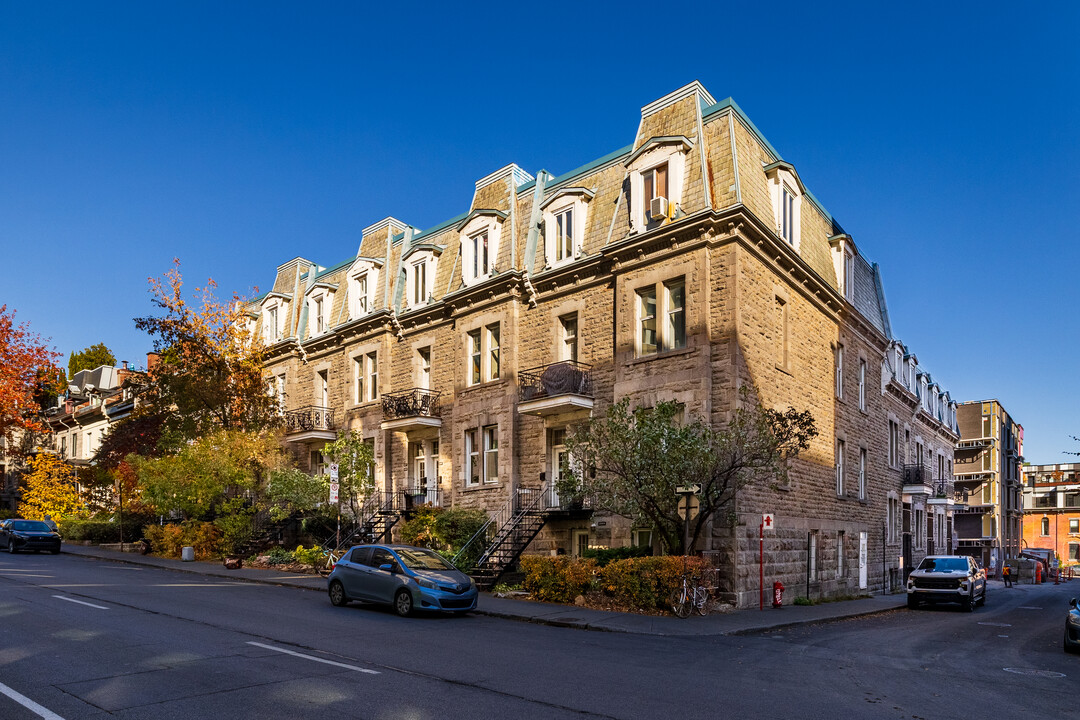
(683, 266)
(92, 403)
(988, 480)
(1051, 510)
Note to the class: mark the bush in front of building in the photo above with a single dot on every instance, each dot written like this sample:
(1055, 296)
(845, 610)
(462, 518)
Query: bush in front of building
(169, 540)
(441, 529)
(646, 583)
(100, 531)
(557, 579)
(604, 556)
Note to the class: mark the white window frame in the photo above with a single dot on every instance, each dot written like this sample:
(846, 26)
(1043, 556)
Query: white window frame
(787, 212)
(490, 469)
(569, 330)
(663, 318)
(274, 307)
(472, 458)
(839, 363)
(418, 287)
(471, 273)
(574, 200)
(486, 342)
(839, 467)
(894, 443)
(322, 388)
(423, 367)
(320, 302)
(422, 262)
(862, 384)
(892, 519)
(841, 550)
(364, 272)
(672, 152)
(371, 374)
(862, 473)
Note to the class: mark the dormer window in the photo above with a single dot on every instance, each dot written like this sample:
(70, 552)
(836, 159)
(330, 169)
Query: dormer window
(419, 283)
(320, 317)
(656, 180)
(271, 329)
(564, 224)
(363, 279)
(786, 191)
(319, 305)
(361, 285)
(275, 311)
(480, 235)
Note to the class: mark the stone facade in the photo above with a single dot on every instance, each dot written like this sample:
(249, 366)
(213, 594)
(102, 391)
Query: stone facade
(684, 266)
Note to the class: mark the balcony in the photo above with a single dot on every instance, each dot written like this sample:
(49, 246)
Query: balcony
(422, 493)
(310, 423)
(413, 409)
(918, 480)
(556, 388)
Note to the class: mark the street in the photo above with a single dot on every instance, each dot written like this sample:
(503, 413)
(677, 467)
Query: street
(84, 638)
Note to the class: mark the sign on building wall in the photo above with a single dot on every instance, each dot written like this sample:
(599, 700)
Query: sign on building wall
(862, 561)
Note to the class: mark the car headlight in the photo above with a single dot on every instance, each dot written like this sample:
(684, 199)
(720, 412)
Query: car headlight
(1074, 619)
(425, 583)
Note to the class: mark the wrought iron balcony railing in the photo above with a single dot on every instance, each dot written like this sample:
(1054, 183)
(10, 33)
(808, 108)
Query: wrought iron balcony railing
(567, 377)
(410, 403)
(312, 417)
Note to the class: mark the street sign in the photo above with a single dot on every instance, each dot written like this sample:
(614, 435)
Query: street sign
(333, 492)
(688, 506)
(688, 490)
(768, 522)
(333, 471)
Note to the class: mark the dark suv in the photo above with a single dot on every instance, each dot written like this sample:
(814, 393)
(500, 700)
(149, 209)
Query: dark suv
(947, 578)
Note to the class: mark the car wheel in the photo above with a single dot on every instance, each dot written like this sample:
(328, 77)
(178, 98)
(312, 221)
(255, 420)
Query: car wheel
(55, 552)
(403, 603)
(982, 598)
(912, 602)
(968, 603)
(337, 594)
(11, 547)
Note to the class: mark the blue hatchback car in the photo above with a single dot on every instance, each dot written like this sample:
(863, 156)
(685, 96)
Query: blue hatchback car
(406, 578)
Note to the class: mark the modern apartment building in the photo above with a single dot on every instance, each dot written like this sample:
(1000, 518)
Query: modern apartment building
(1051, 510)
(683, 266)
(988, 459)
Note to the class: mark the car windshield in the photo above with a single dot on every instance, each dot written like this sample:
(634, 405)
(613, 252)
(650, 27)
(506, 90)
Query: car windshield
(423, 560)
(30, 526)
(944, 564)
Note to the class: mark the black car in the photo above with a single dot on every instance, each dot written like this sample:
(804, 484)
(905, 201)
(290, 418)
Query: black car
(1072, 628)
(18, 534)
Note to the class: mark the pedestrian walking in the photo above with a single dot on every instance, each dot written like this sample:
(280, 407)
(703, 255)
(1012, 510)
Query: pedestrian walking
(1006, 575)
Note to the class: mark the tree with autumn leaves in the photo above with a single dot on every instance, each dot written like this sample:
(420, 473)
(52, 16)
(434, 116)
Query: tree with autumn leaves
(28, 377)
(50, 489)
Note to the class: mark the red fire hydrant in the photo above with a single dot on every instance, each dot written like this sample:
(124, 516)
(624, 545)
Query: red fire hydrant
(777, 594)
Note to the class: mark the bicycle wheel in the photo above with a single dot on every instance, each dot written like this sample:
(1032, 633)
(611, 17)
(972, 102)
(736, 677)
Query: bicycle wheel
(680, 602)
(701, 601)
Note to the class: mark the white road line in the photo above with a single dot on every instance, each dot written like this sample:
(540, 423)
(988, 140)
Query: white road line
(99, 607)
(29, 704)
(316, 659)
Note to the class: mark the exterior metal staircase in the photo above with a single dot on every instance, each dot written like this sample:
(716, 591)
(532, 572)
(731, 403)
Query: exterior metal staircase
(498, 544)
(379, 513)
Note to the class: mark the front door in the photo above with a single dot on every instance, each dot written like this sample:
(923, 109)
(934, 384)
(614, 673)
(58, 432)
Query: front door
(560, 462)
(579, 542)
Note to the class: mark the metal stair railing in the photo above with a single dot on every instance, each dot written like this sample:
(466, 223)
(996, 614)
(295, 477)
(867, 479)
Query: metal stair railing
(505, 520)
(526, 508)
(373, 505)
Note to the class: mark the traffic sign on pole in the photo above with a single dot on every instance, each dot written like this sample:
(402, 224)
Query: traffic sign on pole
(768, 522)
(334, 492)
(688, 489)
(333, 471)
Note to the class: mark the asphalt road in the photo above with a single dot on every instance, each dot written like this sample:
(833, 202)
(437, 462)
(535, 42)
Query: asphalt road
(82, 638)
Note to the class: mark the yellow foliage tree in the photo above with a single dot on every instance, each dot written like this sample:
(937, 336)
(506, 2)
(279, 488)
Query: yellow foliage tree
(50, 489)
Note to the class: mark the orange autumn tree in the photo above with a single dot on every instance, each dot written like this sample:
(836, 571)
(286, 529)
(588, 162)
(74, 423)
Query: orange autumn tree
(50, 489)
(210, 370)
(28, 375)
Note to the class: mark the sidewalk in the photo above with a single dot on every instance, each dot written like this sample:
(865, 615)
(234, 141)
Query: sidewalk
(735, 622)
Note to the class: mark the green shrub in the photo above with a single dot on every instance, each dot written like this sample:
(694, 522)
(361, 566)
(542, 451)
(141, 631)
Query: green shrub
(803, 601)
(557, 579)
(235, 531)
(420, 529)
(100, 531)
(647, 582)
(308, 556)
(603, 556)
(456, 526)
(279, 556)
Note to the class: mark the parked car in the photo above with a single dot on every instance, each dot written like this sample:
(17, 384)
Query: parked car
(947, 578)
(19, 534)
(406, 578)
(1072, 628)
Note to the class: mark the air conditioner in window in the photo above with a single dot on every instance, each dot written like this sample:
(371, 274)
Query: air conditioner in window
(658, 208)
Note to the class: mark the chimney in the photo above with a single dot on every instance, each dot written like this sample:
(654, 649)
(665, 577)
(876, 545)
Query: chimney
(125, 364)
(151, 360)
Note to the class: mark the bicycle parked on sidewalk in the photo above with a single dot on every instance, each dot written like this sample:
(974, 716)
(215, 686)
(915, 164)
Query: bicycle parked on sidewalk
(691, 595)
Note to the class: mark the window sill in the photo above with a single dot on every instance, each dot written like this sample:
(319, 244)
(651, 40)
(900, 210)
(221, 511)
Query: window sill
(482, 486)
(364, 404)
(484, 384)
(662, 355)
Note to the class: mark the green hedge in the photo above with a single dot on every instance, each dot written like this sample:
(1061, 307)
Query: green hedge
(100, 531)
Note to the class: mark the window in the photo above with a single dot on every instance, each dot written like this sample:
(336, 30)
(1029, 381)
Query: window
(320, 321)
(894, 443)
(360, 288)
(322, 398)
(892, 519)
(371, 365)
(271, 331)
(491, 454)
(840, 550)
(358, 379)
(1074, 526)
(317, 462)
(839, 371)
(671, 333)
(1074, 551)
(862, 384)
(849, 276)
(641, 538)
(480, 259)
(569, 346)
(366, 377)
(564, 235)
(419, 283)
(920, 527)
(654, 185)
(472, 458)
(423, 361)
(840, 468)
(277, 391)
(787, 215)
(1045, 527)
(781, 332)
(483, 347)
(862, 473)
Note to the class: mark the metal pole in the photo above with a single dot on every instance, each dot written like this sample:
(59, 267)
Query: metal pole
(120, 495)
(761, 565)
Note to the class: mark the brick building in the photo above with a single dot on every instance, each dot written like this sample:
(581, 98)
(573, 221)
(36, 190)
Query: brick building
(988, 459)
(689, 263)
(1051, 510)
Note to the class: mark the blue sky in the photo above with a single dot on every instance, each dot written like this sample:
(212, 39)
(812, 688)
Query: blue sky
(236, 136)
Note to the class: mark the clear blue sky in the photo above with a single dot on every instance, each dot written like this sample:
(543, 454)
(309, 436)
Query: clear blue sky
(238, 135)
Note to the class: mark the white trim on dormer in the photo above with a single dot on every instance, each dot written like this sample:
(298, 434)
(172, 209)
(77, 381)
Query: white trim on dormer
(420, 259)
(319, 299)
(472, 231)
(843, 257)
(572, 200)
(368, 269)
(693, 88)
(274, 308)
(669, 151)
(786, 191)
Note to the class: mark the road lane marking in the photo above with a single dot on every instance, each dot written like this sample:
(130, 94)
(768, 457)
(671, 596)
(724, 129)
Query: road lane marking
(99, 607)
(316, 659)
(29, 704)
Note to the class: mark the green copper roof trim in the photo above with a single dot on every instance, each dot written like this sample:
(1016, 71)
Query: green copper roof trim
(445, 224)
